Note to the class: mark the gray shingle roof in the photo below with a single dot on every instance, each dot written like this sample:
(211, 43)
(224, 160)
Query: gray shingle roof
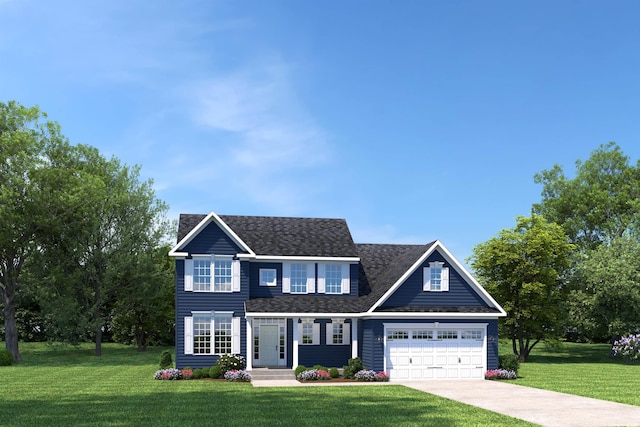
(381, 265)
(285, 236)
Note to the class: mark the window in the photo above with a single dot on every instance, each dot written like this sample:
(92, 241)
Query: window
(222, 278)
(222, 334)
(397, 335)
(206, 273)
(448, 335)
(201, 334)
(333, 279)
(471, 335)
(298, 278)
(212, 333)
(267, 277)
(201, 274)
(338, 332)
(422, 335)
(308, 332)
(436, 277)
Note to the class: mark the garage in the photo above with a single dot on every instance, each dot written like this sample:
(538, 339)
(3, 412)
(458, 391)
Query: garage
(446, 352)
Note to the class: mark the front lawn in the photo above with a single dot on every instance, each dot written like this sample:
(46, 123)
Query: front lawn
(72, 387)
(581, 369)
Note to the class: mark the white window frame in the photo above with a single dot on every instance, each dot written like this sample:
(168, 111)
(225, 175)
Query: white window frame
(189, 277)
(428, 286)
(214, 317)
(264, 281)
(346, 332)
(345, 273)
(315, 332)
(311, 278)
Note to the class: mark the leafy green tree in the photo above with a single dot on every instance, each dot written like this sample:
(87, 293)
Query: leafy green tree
(607, 306)
(523, 268)
(144, 311)
(600, 204)
(33, 174)
(92, 264)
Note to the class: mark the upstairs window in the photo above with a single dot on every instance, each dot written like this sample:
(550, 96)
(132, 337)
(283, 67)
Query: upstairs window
(333, 279)
(436, 277)
(298, 278)
(267, 277)
(207, 273)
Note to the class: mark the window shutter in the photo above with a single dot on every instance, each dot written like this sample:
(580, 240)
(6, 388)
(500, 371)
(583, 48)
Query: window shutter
(235, 275)
(445, 279)
(286, 278)
(346, 333)
(188, 275)
(329, 333)
(311, 278)
(426, 280)
(235, 335)
(316, 334)
(322, 273)
(188, 335)
(346, 278)
(299, 333)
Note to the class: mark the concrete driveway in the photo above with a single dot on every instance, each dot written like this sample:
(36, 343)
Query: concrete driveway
(547, 408)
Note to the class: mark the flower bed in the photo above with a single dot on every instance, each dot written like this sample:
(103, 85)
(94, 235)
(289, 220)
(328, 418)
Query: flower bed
(628, 348)
(369, 375)
(237, 376)
(314, 375)
(500, 374)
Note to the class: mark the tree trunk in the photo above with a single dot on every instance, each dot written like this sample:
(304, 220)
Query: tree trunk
(9, 312)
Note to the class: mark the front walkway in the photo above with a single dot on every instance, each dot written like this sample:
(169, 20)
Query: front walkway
(547, 408)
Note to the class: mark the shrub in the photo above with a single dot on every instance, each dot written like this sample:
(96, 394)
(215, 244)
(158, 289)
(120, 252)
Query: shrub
(167, 374)
(299, 369)
(382, 376)
(197, 374)
(165, 360)
(628, 348)
(355, 365)
(509, 362)
(205, 372)
(231, 362)
(186, 374)
(500, 374)
(313, 375)
(237, 376)
(320, 368)
(334, 373)
(214, 372)
(6, 358)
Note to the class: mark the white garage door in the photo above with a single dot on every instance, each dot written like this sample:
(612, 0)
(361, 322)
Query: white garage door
(418, 354)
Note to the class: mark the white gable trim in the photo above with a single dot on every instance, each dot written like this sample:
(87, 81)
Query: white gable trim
(212, 217)
(283, 258)
(456, 265)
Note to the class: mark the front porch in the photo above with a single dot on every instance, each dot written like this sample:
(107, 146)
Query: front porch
(286, 342)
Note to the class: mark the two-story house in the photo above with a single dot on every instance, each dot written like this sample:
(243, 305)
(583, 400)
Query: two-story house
(285, 292)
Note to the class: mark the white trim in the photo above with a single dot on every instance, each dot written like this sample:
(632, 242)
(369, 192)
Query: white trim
(281, 258)
(296, 342)
(188, 335)
(235, 335)
(458, 267)
(249, 342)
(354, 339)
(376, 315)
(212, 217)
(235, 275)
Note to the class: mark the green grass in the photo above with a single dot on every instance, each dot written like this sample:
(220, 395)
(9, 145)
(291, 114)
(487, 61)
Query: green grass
(581, 369)
(73, 387)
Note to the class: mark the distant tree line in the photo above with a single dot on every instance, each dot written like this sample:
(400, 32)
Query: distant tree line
(571, 270)
(83, 242)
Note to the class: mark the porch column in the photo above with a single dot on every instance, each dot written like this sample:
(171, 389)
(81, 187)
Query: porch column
(354, 338)
(249, 343)
(294, 362)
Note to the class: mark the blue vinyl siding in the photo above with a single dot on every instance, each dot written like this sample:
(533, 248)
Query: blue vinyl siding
(327, 355)
(410, 293)
(212, 240)
(186, 302)
(373, 352)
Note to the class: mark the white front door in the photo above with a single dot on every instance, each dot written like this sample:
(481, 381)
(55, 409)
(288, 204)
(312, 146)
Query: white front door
(269, 344)
(435, 353)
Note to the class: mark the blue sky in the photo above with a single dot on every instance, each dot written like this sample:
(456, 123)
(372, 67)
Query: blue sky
(413, 120)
